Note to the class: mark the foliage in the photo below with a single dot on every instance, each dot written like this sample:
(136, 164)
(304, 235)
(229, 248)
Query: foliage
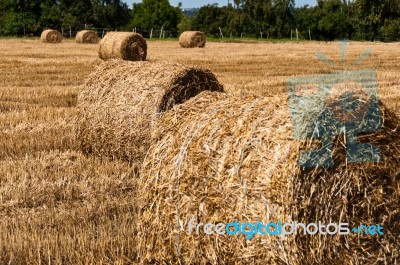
(185, 24)
(156, 14)
(19, 16)
(328, 20)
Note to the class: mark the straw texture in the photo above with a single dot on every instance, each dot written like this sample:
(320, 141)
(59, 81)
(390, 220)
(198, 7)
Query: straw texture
(87, 37)
(218, 158)
(120, 101)
(51, 36)
(123, 45)
(192, 39)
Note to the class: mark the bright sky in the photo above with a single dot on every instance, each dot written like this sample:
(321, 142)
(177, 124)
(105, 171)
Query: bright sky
(199, 3)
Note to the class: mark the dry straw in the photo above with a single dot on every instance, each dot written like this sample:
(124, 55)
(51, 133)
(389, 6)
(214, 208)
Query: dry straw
(123, 45)
(219, 159)
(87, 37)
(192, 39)
(120, 101)
(51, 36)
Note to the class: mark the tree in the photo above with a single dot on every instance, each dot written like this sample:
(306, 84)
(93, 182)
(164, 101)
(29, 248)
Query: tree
(185, 24)
(111, 14)
(260, 14)
(19, 16)
(283, 13)
(334, 22)
(369, 18)
(156, 14)
(391, 30)
(210, 18)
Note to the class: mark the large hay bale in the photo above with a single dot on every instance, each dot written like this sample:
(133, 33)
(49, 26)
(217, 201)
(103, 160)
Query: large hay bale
(120, 101)
(192, 39)
(355, 193)
(87, 37)
(220, 159)
(215, 159)
(51, 36)
(123, 45)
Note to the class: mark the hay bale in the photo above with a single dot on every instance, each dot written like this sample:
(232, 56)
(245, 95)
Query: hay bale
(87, 37)
(120, 100)
(51, 36)
(354, 193)
(192, 39)
(123, 45)
(217, 159)
(220, 159)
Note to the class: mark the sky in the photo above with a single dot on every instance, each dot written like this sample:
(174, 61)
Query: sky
(199, 3)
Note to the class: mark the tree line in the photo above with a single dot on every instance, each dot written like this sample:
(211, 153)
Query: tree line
(32, 16)
(328, 20)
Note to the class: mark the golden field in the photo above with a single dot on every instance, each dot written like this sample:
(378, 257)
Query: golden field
(58, 206)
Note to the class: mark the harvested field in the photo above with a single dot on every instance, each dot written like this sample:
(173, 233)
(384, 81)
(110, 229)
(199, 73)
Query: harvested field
(58, 206)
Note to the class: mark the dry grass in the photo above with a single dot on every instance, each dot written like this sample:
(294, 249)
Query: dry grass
(59, 207)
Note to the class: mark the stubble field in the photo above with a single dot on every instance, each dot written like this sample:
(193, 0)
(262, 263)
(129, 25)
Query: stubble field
(58, 206)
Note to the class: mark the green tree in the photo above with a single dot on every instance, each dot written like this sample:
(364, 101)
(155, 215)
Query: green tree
(112, 14)
(260, 15)
(19, 16)
(283, 13)
(185, 24)
(156, 14)
(334, 22)
(391, 30)
(329, 20)
(210, 18)
(369, 18)
(238, 22)
(76, 13)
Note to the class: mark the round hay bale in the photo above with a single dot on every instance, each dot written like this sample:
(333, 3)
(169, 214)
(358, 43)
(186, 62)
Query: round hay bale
(192, 39)
(223, 159)
(87, 37)
(361, 194)
(120, 100)
(51, 36)
(216, 159)
(123, 45)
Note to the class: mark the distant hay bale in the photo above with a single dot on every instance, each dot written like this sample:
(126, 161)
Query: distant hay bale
(87, 37)
(51, 36)
(119, 102)
(217, 158)
(192, 39)
(127, 46)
